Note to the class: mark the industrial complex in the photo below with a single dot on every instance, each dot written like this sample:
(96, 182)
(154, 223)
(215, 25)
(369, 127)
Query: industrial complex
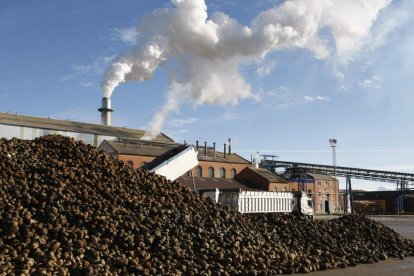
(221, 170)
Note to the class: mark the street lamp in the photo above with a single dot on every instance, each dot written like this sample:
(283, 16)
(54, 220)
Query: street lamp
(332, 143)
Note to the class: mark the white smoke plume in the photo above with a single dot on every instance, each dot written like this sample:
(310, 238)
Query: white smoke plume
(207, 52)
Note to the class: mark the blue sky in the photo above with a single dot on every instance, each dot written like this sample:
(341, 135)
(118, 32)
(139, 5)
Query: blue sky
(53, 55)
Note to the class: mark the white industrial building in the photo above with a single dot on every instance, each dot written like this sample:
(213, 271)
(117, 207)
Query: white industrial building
(28, 128)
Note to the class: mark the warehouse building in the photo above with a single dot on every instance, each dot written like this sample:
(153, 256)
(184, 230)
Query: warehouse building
(383, 202)
(29, 127)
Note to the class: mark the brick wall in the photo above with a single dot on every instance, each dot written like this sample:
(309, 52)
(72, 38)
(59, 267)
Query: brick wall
(138, 161)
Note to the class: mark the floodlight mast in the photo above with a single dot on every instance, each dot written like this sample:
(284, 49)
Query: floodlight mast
(332, 143)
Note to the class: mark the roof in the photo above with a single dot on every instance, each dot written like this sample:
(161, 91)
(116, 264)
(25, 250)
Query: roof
(140, 148)
(165, 156)
(154, 149)
(217, 156)
(320, 176)
(204, 183)
(66, 125)
(270, 176)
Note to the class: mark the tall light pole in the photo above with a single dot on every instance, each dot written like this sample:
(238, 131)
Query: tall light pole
(332, 143)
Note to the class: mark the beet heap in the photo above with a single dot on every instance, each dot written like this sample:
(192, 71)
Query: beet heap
(68, 209)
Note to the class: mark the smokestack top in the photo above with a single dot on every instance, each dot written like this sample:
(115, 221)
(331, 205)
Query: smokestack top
(106, 111)
(106, 105)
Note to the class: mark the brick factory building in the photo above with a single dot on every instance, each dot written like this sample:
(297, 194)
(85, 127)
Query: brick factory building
(382, 202)
(323, 188)
(212, 163)
(263, 179)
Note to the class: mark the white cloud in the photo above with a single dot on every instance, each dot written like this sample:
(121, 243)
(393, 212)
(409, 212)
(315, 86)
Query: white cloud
(284, 105)
(128, 36)
(183, 122)
(210, 50)
(266, 68)
(281, 92)
(375, 82)
(344, 88)
(312, 99)
(399, 13)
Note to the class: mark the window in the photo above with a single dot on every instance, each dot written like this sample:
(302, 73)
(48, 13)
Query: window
(284, 189)
(210, 172)
(199, 171)
(326, 183)
(275, 189)
(233, 172)
(319, 183)
(188, 173)
(130, 163)
(310, 192)
(223, 173)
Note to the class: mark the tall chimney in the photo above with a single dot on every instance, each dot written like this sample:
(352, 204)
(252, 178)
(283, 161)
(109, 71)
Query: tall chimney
(229, 146)
(205, 148)
(106, 111)
(225, 148)
(197, 145)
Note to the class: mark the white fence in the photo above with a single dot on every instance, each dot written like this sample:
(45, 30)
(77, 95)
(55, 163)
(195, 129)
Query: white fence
(265, 202)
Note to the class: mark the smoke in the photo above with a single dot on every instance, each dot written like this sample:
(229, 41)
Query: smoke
(205, 53)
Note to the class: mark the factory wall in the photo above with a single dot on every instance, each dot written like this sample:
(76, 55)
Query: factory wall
(325, 195)
(29, 133)
(135, 160)
(217, 166)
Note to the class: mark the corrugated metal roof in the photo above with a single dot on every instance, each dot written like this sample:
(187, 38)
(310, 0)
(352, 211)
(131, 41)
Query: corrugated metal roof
(205, 183)
(65, 125)
(151, 148)
(270, 176)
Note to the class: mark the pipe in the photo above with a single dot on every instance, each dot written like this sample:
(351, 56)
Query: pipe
(214, 149)
(106, 111)
(229, 146)
(205, 148)
(225, 147)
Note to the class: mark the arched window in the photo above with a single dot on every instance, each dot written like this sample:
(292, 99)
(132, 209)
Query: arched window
(284, 189)
(275, 189)
(211, 172)
(233, 172)
(223, 173)
(199, 171)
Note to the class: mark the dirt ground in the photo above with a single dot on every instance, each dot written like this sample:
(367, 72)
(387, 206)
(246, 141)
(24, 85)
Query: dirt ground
(403, 225)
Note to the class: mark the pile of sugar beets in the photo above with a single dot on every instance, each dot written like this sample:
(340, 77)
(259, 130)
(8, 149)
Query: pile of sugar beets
(69, 209)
